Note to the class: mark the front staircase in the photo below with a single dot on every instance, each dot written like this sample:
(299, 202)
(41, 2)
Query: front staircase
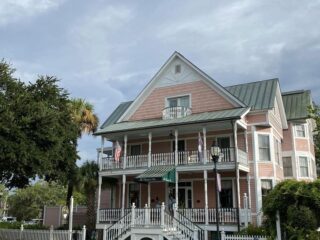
(151, 222)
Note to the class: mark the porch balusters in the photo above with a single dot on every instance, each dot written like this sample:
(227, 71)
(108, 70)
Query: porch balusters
(133, 214)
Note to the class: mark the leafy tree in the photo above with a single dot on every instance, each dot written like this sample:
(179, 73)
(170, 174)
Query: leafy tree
(298, 204)
(38, 137)
(28, 203)
(4, 193)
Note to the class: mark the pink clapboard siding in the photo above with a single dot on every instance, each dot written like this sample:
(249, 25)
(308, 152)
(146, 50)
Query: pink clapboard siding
(203, 99)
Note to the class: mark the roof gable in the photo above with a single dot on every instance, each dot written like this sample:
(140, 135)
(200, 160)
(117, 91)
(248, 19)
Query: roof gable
(165, 77)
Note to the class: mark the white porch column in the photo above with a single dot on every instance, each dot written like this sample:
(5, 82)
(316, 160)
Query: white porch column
(249, 190)
(204, 130)
(123, 194)
(176, 147)
(246, 139)
(177, 189)
(125, 151)
(205, 177)
(149, 152)
(235, 128)
(149, 194)
(99, 198)
(100, 159)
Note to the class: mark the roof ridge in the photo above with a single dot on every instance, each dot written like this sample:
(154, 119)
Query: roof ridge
(295, 92)
(271, 79)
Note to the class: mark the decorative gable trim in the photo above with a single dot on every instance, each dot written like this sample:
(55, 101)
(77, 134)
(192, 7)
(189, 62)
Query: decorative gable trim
(278, 98)
(152, 83)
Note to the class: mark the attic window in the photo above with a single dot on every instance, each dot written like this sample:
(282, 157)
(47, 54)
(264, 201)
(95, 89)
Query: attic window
(177, 69)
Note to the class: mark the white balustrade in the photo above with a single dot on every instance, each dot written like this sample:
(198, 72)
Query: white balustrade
(111, 215)
(111, 163)
(226, 215)
(242, 157)
(175, 112)
(135, 161)
(159, 159)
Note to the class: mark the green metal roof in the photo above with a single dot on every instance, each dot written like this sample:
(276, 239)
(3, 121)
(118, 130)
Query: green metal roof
(257, 95)
(158, 173)
(193, 118)
(296, 104)
(116, 114)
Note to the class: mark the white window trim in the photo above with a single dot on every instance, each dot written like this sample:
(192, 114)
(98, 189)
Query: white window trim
(271, 152)
(305, 131)
(308, 166)
(178, 96)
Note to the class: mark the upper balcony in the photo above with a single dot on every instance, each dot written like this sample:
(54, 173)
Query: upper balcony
(175, 112)
(185, 158)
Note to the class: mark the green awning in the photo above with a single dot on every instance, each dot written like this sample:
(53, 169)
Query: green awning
(158, 174)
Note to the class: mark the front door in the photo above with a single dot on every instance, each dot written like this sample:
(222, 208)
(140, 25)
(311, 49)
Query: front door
(226, 194)
(134, 194)
(184, 194)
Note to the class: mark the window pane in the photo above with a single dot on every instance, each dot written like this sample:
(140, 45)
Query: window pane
(287, 167)
(266, 187)
(264, 148)
(173, 102)
(300, 131)
(184, 101)
(303, 167)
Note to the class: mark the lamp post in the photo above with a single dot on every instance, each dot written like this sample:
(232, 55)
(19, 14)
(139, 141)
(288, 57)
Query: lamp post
(215, 154)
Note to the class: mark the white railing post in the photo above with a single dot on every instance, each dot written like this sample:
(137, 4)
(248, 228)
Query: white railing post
(146, 215)
(133, 214)
(51, 233)
(176, 148)
(84, 231)
(70, 217)
(21, 231)
(245, 205)
(105, 232)
(162, 215)
(223, 235)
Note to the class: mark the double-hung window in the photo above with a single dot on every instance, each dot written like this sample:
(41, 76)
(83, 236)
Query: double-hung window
(264, 147)
(277, 150)
(300, 130)
(266, 187)
(287, 167)
(304, 171)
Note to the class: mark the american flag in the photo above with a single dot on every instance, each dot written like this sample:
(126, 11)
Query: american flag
(200, 147)
(117, 152)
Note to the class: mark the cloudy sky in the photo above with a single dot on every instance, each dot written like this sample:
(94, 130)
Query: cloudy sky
(106, 51)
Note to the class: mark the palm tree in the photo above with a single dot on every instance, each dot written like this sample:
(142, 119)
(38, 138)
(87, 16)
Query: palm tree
(87, 121)
(89, 183)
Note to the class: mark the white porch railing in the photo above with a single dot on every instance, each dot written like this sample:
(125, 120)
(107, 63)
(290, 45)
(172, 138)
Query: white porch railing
(225, 236)
(111, 214)
(184, 158)
(137, 161)
(242, 157)
(175, 112)
(158, 159)
(196, 215)
(177, 225)
(226, 215)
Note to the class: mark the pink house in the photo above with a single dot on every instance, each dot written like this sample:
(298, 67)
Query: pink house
(165, 186)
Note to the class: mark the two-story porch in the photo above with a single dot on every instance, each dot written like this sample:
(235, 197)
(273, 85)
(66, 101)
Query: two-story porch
(171, 149)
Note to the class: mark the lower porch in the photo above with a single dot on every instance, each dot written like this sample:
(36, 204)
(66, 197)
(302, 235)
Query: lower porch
(195, 194)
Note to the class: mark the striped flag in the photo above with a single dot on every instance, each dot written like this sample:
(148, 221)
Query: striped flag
(117, 152)
(200, 148)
